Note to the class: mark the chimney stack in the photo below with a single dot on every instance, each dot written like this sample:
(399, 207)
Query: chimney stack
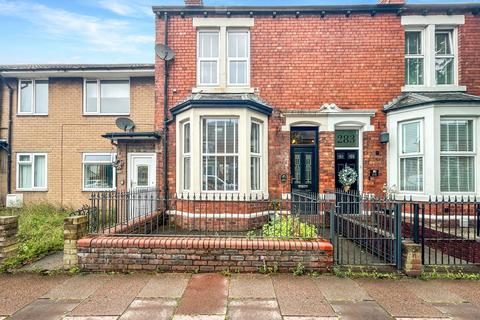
(193, 3)
(391, 1)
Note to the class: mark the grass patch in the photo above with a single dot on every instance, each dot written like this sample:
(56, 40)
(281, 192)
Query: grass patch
(373, 274)
(456, 275)
(40, 232)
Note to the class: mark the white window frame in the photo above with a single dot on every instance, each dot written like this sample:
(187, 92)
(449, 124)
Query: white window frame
(186, 155)
(428, 25)
(417, 56)
(472, 153)
(403, 155)
(200, 59)
(32, 163)
(247, 59)
(257, 155)
(99, 98)
(236, 178)
(113, 157)
(33, 104)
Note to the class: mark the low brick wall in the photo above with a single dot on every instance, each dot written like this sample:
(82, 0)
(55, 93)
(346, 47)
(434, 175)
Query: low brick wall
(202, 254)
(8, 236)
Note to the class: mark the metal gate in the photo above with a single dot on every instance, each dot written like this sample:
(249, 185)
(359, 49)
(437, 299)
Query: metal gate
(365, 231)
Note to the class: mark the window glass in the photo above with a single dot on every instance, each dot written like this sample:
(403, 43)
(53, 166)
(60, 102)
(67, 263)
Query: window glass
(208, 46)
(98, 172)
(413, 58)
(255, 156)
(186, 173)
(25, 177)
(255, 138)
(346, 138)
(457, 160)
(186, 138)
(41, 96)
(444, 58)
(237, 57)
(411, 137)
(32, 171)
(302, 137)
(39, 180)
(91, 96)
(220, 161)
(411, 174)
(115, 96)
(142, 176)
(255, 173)
(26, 96)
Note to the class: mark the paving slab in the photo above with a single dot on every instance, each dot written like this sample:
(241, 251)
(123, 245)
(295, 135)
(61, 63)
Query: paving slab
(48, 263)
(205, 294)
(341, 289)
(253, 309)
(360, 310)
(462, 311)
(251, 286)
(151, 309)
(299, 296)
(396, 299)
(432, 291)
(113, 297)
(199, 317)
(469, 290)
(310, 318)
(78, 287)
(165, 285)
(20, 289)
(91, 318)
(46, 309)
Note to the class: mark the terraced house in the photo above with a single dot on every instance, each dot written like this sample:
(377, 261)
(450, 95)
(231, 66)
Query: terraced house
(52, 121)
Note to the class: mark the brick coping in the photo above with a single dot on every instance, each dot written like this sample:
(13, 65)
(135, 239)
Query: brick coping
(204, 243)
(241, 215)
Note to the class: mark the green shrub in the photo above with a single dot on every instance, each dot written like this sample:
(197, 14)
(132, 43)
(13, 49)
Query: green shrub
(288, 227)
(40, 231)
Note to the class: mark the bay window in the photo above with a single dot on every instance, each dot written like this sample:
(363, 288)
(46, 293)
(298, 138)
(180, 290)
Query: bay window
(32, 171)
(411, 156)
(106, 97)
(208, 57)
(33, 97)
(457, 155)
(98, 171)
(220, 154)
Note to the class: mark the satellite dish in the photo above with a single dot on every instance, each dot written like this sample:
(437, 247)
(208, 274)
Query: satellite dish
(164, 52)
(125, 124)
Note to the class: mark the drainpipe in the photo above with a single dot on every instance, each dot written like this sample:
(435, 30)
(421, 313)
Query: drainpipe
(165, 118)
(9, 135)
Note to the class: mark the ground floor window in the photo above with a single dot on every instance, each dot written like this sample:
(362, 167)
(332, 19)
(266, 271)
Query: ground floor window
(98, 171)
(32, 171)
(457, 160)
(220, 154)
(411, 156)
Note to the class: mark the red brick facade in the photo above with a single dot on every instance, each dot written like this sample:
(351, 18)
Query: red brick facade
(355, 61)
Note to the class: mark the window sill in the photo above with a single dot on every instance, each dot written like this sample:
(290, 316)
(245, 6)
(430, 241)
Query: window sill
(440, 88)
(99, 190)
(31, 190)
(222, 196)
(223, 90)
(32, 114)
(105, 114)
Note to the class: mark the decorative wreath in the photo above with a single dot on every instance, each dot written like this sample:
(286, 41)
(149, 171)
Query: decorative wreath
(347, 176)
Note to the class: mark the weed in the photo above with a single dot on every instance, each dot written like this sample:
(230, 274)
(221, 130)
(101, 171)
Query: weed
(226, 273)
(299, 270)
(457, 275)
(374, 274)
(268, 270)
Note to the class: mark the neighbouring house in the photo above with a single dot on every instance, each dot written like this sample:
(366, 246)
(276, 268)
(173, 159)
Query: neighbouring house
(52, 121)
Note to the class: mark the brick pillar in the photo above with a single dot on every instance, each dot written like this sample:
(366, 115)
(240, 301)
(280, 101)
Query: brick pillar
(411, 258)
(74, 228)
(8, 236)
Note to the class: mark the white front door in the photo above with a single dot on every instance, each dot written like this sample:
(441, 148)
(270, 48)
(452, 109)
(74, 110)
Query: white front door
(141, 183)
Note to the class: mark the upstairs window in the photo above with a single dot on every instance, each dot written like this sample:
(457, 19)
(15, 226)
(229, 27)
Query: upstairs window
(107, 97)
(457, 155)
(411, 156)
(444, 57)
(208, 58)
(237, 58)
(414, 59)
(33, 97)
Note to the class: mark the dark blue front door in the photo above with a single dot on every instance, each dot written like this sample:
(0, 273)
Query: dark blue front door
(303, 159)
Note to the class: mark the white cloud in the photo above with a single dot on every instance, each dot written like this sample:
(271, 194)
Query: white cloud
(134, 8)
(90, 32)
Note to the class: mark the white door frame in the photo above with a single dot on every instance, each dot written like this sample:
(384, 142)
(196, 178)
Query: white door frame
(130, 162)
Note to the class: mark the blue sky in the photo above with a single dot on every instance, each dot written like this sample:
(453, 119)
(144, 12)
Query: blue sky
(96, 31)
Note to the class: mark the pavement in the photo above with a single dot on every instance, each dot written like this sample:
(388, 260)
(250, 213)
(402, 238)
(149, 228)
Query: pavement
(241, 296)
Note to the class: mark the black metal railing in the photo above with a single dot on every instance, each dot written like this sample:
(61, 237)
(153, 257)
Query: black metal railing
(447, 227)
(148, 212)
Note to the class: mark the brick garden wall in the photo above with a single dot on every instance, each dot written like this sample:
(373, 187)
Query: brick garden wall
(201, 254)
